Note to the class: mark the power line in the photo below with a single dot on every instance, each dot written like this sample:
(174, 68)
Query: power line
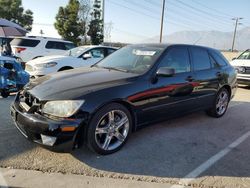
(227, 16)
(208, 14)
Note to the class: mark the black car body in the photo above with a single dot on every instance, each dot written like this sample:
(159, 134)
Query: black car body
(154, 95)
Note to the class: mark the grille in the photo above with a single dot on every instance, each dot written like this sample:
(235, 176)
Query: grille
(243, 70)
(32, 102)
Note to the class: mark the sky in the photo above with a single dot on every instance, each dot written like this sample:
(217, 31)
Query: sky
(133, 21)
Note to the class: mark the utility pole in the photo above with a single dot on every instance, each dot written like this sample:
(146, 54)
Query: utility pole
(235, 30)
(162, 19)
(103, 23)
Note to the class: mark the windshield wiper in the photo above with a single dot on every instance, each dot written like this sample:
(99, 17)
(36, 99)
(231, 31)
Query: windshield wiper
(115, 68)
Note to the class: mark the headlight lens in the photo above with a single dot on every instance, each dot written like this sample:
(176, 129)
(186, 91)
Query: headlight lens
(46, 65)
(62, 108)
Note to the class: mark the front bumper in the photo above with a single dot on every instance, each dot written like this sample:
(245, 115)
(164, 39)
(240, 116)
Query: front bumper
(33, 126)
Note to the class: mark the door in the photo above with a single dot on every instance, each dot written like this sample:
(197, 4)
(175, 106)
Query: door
(172, 95)
(207, 75)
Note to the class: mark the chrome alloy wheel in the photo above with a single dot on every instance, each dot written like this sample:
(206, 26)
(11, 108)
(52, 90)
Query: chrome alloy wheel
(112, 130)
(222, 102)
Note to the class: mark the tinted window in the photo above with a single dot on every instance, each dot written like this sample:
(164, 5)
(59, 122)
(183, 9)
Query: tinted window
(220, 59)
(55, 45)
(178, 59)
(69, 46)
(24, 42)
(200, 59)
(110, 51)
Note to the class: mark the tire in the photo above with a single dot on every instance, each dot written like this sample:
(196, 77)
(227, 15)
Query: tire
(220, 104)
(109, 129)
(5, 94)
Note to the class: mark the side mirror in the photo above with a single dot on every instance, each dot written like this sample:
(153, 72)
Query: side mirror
(234, 58)
(165, 72)
(86, 56)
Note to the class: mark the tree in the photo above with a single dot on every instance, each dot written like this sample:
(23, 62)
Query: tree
(68, 23)
(12, 10)
(84, 15)
(96, 24)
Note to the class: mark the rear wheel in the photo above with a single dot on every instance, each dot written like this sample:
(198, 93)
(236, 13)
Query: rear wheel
(109, 129)
(220, 104)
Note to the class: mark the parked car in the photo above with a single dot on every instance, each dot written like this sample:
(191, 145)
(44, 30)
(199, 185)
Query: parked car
(32, 47)
(12, 76)
(82, 56)
(134, 86)
(242, 66)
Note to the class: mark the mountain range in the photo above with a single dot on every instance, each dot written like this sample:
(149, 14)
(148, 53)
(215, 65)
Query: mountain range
(216, 39)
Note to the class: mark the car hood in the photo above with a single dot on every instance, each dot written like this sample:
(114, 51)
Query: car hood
(46, 59)
(74, 84)
(240, 62)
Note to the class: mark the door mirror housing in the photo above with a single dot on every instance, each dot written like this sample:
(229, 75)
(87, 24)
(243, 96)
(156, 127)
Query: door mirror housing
(86, 56)
(165, 72)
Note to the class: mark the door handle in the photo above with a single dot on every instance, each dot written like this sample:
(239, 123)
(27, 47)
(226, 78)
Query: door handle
(189, 79)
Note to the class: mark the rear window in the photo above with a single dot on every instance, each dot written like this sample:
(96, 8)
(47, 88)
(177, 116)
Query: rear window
(24, 42)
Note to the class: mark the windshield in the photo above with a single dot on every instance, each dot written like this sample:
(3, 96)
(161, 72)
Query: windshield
(245, 55)
(76, 52)
(132, 59)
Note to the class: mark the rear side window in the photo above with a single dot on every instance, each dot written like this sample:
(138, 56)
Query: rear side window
(220, 59)
(24, 42)
(200, 59)
(69, 46)
(55, 45)
(178, 59)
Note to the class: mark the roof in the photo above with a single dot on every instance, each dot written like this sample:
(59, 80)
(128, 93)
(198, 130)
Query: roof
(165, 45)
(47, 38)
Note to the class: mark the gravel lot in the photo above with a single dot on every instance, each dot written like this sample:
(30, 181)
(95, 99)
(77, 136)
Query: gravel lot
(163, 152)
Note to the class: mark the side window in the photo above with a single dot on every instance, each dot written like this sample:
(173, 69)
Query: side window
(55, 45)
(219, 58)
(178, 59)
(97, 53)
(110, 51)
(200, 59)
(69, 46)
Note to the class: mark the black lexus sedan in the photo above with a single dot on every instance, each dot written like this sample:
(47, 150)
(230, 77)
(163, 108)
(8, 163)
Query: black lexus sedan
(136, 85)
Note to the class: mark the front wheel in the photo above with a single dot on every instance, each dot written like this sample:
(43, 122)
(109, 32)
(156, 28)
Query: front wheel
(109, 129)
(220, 105)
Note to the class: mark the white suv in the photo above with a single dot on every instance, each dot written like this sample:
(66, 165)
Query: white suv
(28, 48)
(242, 66)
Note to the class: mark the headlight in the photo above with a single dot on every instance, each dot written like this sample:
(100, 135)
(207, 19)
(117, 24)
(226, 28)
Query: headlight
(62, 108)
(46, 65)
